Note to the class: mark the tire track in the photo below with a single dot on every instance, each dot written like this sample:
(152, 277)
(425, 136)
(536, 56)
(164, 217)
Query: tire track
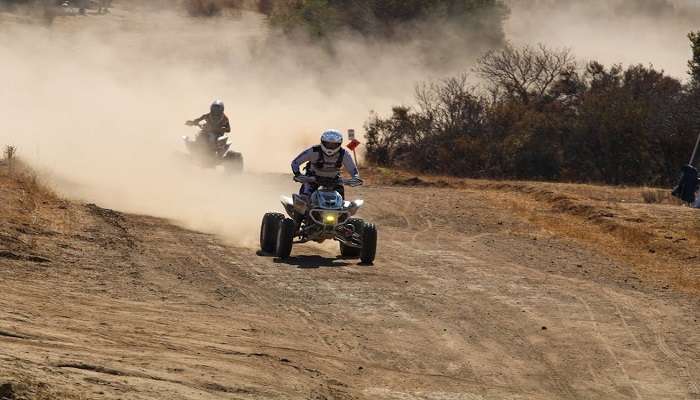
(681, 364)
(608, 348)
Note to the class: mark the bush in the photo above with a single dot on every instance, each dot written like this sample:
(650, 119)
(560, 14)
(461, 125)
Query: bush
(543, 119)
(449, 118)
(210, 8)
(477, 20)
(203, 7)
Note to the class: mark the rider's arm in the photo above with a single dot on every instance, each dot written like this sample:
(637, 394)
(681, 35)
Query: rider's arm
(200, 119)
(350, 166)
(225, 125)
(305, 156)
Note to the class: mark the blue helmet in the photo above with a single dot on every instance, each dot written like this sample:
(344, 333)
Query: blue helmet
(331, 140)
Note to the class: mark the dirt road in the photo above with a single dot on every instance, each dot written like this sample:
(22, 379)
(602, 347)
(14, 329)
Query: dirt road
(467, 300)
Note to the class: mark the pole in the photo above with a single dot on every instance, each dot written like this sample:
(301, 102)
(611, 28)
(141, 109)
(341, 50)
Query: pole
(695, 151)
(351, 137)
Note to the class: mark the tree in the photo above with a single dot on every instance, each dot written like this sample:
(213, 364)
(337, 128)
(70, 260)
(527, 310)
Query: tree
(442, 135)
(524, 73)
(694, 63)
(548, 121)
(325, 18)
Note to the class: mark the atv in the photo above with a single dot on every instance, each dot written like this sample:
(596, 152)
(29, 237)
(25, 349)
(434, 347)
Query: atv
(324, 215)
(210, 151)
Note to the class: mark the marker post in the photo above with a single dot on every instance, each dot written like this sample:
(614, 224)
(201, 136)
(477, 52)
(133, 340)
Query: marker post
(353, 145)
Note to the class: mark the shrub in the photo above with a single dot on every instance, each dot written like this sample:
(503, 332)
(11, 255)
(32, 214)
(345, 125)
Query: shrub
(389, 18)
(544, 119)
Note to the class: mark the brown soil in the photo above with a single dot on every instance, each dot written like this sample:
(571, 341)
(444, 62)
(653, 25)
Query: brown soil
(481, 290)
(644, 227)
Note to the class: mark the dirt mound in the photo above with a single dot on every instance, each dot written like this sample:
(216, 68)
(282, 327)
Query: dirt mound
(659, 237)
(418, 182)
(661, 240)
(28, 210)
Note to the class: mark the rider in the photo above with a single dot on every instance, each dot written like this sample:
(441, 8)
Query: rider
(325, 160)
(216, 121)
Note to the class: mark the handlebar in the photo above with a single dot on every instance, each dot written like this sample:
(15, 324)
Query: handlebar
(352, 182)
(304, 179)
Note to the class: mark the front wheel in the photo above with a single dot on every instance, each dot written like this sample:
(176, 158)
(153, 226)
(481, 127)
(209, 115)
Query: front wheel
(346, 251)
(349, 251)
(233, 163)
(369, 244)
(285, 238)
(268, 231)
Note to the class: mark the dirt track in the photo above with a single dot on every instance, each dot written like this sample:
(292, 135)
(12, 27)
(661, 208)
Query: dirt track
(480, 291)
(465, 301)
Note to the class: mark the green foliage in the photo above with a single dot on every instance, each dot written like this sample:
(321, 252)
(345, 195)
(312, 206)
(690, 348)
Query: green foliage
(325, 18)
(604, 124)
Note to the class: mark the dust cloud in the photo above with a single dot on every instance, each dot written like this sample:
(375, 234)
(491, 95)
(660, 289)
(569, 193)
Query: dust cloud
(610, 31)
(98, 103)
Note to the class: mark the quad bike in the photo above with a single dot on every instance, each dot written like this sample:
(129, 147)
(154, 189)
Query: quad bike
(210, 151)
(324, 215)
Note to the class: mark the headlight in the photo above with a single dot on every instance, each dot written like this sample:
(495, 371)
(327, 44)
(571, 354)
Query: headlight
(330, 218)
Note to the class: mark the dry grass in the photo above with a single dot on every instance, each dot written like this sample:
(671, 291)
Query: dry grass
(662, 248)
(660, 241)
(27, 206)
(643, 227)
(26, 180)
(656, 196)
(603, 193)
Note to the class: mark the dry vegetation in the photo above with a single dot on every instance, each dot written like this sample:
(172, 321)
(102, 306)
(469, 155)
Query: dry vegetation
(209, 8)
(546, 116)
(644, 227)
(25, 210)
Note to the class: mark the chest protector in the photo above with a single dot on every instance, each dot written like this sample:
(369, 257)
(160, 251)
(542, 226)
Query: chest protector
(323, 164)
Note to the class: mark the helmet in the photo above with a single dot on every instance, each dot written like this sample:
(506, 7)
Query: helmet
(217, 107)
(331, 141)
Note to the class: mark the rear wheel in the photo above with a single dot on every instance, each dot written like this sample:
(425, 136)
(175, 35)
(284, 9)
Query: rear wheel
(349, 251)
(369, 244)
(268, 231)
(285, 238)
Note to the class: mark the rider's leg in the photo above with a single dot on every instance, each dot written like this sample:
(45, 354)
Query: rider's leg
(307, 189)
(341, 190)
